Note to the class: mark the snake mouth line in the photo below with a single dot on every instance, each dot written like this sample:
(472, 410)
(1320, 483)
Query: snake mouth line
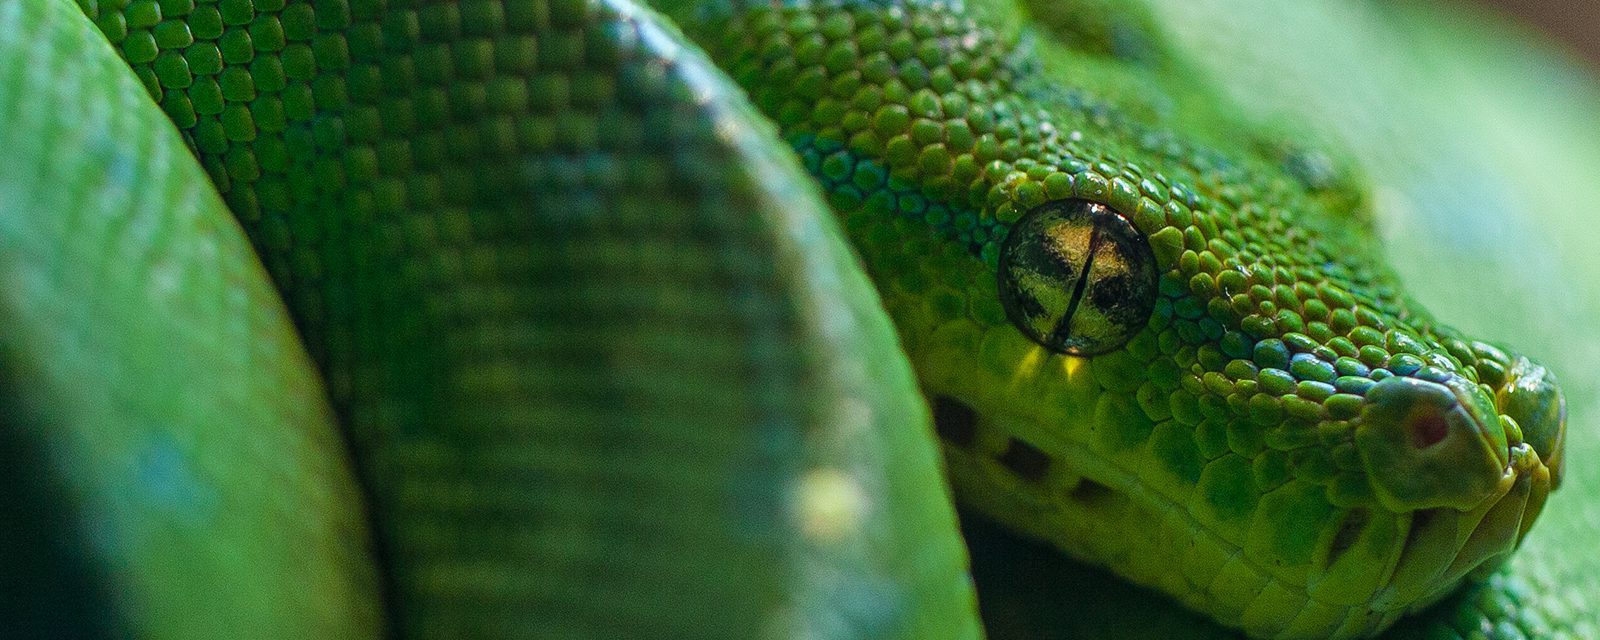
(1433, 550)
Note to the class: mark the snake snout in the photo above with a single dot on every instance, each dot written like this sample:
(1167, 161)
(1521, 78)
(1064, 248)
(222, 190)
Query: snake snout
(1472, 464)
(1432, 444)
(1531, 398)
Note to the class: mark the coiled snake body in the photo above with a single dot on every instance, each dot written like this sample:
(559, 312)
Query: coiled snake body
(572, 340)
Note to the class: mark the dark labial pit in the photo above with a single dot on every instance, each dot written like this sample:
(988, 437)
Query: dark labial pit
(1025, 460)
(954, 421)
(1077, 277)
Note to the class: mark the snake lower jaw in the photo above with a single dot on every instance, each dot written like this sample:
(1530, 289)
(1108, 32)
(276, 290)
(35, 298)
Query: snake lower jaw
(1445, 546)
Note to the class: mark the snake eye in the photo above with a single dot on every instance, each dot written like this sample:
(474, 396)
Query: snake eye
(1077, 277)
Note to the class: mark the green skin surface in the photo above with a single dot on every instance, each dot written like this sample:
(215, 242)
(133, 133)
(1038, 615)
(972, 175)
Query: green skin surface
(605, 366)
(1252, 432)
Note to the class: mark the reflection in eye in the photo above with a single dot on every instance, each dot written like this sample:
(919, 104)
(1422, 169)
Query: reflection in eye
(1077, 277)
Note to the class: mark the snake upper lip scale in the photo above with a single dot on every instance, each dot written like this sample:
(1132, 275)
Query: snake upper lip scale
(1461, 481)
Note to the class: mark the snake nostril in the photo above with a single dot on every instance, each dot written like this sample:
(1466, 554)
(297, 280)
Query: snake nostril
(1428, 430)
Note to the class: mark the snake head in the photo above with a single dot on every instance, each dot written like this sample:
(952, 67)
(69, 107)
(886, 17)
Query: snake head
(1182, 357)
(1471, 458)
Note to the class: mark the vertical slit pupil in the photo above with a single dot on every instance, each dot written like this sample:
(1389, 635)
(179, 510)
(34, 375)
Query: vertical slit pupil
(1063, 329)
(1077, 277)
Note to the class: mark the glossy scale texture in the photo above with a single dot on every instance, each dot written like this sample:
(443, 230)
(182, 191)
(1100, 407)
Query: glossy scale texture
(1301, 449)
(529, 261)
(603, 363)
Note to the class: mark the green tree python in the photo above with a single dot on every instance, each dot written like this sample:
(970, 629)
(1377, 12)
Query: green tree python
(546, 318)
